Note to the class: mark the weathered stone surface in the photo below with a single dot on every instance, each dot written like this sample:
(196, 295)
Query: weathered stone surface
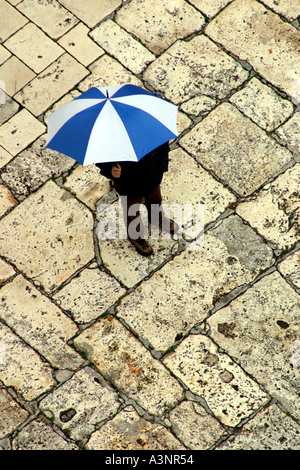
(106, 71)
(15, 75)
(198, 105)
(39, 322)
(259, 36)
(60, 242)
(5, 157)
(51, 84)
(11, 20)
(33, 47)
(51, 17)
(34, 166)
(11, 414)
(270, 429)
(290, 268)
(92, 11)
(231, 397)
(290, 133)
(79, 45)
(119, 256)
(89, 295)
(290, 9)
(31, 376)
(88, 185)
(183, 292)
(82, 402)
(210, 8)
(275, 213)
(4, 54)
(39, 436)
(6, 271)
(166, 23)
(20, 131)
(262, 105)
(195, 67)
(6, 199)
(197, 429)
(8, 109)
(125, 363)
(121, 45)
(258, 330)
(235, 149)
(128, 431)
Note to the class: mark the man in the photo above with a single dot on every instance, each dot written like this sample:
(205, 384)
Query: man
(140, 181)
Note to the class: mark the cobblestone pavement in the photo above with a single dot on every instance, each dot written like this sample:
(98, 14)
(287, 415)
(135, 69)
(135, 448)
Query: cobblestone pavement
(198, 346)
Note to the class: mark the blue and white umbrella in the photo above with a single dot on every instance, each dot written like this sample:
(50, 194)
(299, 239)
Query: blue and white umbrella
(109, 124)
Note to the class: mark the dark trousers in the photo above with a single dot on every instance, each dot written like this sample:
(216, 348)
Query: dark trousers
(132, 216)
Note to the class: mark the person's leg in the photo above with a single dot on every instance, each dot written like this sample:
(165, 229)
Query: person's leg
(134, 225)
(156, 215)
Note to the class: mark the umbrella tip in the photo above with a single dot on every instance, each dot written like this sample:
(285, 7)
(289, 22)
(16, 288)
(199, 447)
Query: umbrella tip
(107, 95)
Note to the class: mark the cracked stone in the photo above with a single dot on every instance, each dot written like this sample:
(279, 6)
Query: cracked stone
(266, 328)
(235, 149)
(290, 268)
(11, 414)
(229, 401)
(290, 131)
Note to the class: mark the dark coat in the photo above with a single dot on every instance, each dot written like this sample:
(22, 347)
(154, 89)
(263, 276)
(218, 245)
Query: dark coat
(139, 178)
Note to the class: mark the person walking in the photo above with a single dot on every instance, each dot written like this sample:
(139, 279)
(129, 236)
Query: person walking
(138, 182)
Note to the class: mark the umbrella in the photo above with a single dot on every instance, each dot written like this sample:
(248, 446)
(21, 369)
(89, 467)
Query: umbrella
(109, 124)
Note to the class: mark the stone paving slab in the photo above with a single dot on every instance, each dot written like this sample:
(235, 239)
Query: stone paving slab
(196, 347)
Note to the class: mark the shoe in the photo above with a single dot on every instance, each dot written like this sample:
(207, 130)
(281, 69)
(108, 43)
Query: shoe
(142, 246)
(169, 225)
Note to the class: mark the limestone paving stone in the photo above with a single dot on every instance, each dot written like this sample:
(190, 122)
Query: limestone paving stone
(39, 322)
(80, 403)
(192, 68)
(88, 185)
(11, 413)
(262, 105)
(20, 131)
(38, 435)
(31, 45)
(6, 199)
(257, 35)
(8, 109)
(10, 21)
(129, 366)
(210, 8)
(122, 46)
(166, 23)
(235, 149)
(51, 84)
(4, 54)
(5, 157)
(50, 16)
(198, 105)
(182, 293)
(290, 9)
(31, 377)
(79, 45)
(290, 268)
(6, 271)
(117, 253)
(270, 429)
(229, 393)
(259, 330)
(290, 133)
(89, 295)
(197, 429)
(52, 241)
(106, 71)
(34, 166)
(128, 431)
(91, 12)
(15, 75)
(275, 212)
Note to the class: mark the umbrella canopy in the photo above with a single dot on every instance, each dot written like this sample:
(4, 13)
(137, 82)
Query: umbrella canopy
(110, 124)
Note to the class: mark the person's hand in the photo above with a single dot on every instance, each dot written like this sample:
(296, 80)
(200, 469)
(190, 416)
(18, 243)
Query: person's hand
(116, 171)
